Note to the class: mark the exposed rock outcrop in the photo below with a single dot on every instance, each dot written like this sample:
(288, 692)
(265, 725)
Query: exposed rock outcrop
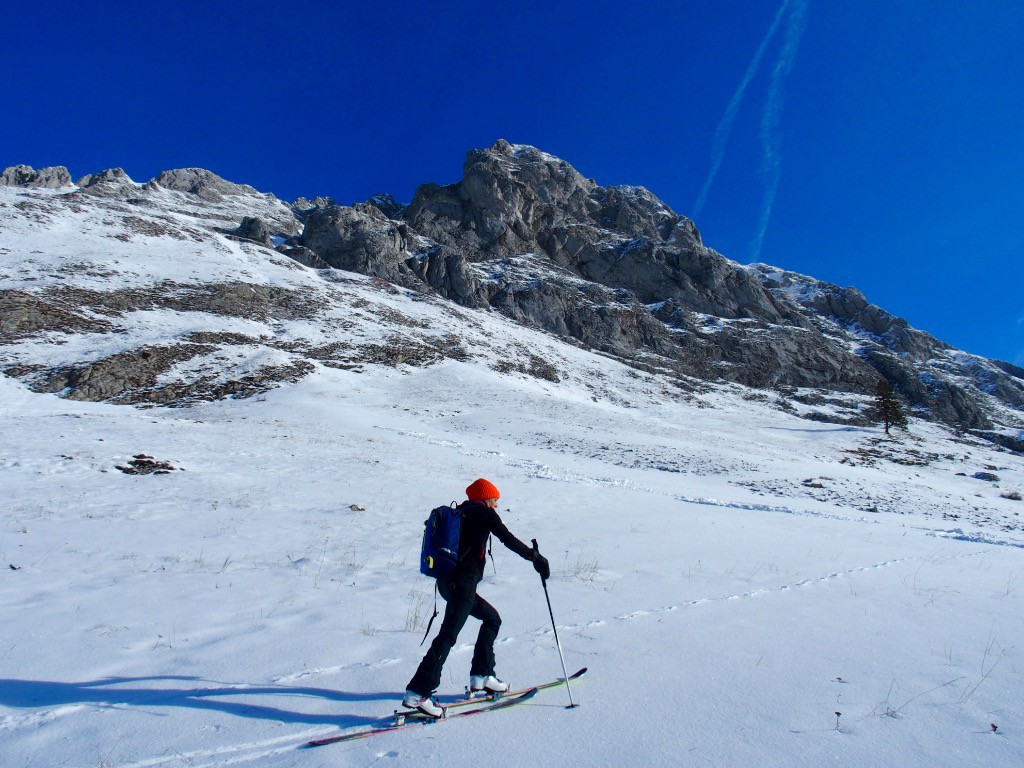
(615, 269)
(358, 239)
(54, 177)
(202, 183)
(387, 205)
(255, 230)
(109, 176)
(514, 200)
(302, 207)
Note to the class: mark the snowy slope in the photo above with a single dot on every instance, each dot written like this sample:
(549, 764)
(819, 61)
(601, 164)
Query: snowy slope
(106, 300)
(225, 612)
(732, 574)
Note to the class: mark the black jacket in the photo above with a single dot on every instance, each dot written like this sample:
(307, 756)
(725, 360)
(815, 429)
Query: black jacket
(478, 522)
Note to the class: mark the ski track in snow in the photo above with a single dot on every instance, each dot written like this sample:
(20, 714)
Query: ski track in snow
(237, 754)
(39, 718)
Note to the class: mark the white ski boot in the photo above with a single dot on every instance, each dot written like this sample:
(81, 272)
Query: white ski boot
(487, 685)
(425, 704)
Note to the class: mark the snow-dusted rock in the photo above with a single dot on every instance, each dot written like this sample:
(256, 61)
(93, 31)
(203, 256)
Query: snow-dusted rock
(109, 176)
(45, 178)
(205, 184)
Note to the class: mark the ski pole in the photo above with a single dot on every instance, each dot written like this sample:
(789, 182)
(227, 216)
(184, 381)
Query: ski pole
(558, 645)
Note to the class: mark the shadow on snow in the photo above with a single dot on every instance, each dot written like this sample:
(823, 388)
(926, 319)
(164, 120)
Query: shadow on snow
(211, 696)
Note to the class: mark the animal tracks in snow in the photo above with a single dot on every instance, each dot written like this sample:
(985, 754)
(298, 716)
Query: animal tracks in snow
(769, 590)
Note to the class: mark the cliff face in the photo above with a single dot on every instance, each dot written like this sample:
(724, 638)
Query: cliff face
(611, 269)
(615, 269)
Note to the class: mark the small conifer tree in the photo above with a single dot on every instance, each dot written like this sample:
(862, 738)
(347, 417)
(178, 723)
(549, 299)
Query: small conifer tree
(888, 408)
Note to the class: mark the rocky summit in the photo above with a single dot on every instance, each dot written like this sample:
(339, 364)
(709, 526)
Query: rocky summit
(189, 286)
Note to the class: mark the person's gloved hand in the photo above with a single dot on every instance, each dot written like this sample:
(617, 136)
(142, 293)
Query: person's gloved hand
(540, 565)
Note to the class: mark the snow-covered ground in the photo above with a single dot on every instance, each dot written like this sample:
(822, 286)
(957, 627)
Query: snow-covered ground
(732, 575)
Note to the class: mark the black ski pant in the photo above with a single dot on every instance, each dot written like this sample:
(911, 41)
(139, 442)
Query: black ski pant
(462, 602)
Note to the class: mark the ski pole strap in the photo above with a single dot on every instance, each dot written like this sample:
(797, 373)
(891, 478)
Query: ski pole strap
(431, 622)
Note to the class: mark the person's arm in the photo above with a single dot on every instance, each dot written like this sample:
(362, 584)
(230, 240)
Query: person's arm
(497, 527)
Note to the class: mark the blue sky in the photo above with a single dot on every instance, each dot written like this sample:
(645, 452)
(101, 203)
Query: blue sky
(873, 144)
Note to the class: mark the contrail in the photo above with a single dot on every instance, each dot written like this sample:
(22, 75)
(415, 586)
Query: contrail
(771, 164)
(725, 125)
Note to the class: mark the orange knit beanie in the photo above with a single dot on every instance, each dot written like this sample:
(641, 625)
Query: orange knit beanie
(481, 490)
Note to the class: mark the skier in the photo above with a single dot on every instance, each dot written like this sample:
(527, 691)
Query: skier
(479, 520)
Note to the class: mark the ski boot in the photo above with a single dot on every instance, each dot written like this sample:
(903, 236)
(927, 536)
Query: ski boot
(486, 686)
(425, 705)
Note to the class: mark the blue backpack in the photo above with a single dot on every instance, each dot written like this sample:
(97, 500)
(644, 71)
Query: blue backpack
(440, 551)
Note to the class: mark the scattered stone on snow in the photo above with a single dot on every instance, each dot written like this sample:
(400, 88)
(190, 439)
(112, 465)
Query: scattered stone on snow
(141, 464)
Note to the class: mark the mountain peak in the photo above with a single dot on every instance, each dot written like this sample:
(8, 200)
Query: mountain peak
(109, 176)
(527, 151)
(201, 182)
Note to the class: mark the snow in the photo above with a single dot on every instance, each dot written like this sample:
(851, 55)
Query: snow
(519, 150)
(731, 574)
(226, 612)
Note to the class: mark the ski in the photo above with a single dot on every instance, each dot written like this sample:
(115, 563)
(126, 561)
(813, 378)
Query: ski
(504, 703)
(484, 699)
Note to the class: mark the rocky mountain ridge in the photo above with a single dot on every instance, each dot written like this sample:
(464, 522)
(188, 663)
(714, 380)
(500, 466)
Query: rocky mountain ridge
(607, 269)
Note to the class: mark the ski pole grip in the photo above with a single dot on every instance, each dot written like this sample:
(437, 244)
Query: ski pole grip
(536, 554)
